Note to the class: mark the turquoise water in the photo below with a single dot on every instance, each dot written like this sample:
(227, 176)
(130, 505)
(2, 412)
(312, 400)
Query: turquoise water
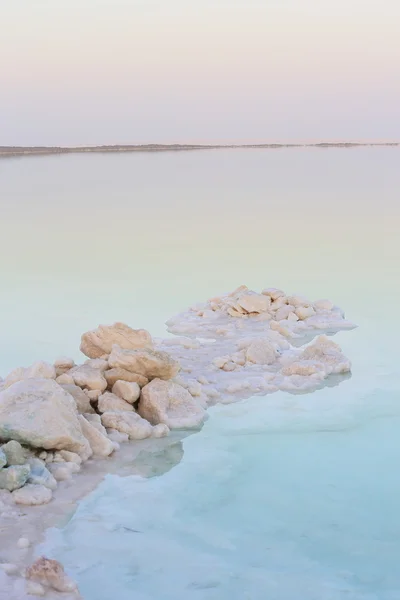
(280, 497)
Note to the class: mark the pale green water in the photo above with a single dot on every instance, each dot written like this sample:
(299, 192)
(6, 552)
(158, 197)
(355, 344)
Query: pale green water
(281, 497)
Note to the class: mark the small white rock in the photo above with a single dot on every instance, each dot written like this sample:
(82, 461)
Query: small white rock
(23, 543)
(160, 430)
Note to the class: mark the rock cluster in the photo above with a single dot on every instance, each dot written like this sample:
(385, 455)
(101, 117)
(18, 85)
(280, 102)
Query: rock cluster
(54, 417)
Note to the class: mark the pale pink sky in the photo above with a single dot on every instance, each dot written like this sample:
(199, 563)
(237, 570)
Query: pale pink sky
(141, 71)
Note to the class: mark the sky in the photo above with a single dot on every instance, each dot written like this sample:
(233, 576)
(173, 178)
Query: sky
(87, 72)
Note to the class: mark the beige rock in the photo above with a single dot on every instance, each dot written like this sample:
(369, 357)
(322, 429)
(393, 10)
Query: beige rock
(99, 443)
(63, 364)
(71, 457)
(38, 370)
(114, 375)
(303, 312)
(150, 363)
(127, 390)
(50, 574)
(321, 305)
(99, 342)
(273, 293)
(65, 379)
(100, 364)
(297, 301)
(40, 413)
(254, 303)
(284, 312)
(169, 403)
(304, 368)
(93, 395)
(32, 495)
(261, 352)
(81, 399)
(128, 422)
(87, 377)
(109, 402)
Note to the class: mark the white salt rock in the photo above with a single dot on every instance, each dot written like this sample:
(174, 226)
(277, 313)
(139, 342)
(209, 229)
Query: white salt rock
(284, 312)
(32, 495)
(194, 387)
(229, 366)
(220, 361)
(160, 430)
(117, 436)
(298, 301)
(23, 543)
(323, 304)
(261, 352)
(303, 312)
(273, 293)
(203, 380)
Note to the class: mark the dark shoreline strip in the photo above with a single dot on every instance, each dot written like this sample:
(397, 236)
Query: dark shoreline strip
(7, 151)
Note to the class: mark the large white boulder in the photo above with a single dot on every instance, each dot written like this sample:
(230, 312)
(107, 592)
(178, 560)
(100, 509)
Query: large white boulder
(38, 412)
(147, 362)
(169, 403)
(99, 342)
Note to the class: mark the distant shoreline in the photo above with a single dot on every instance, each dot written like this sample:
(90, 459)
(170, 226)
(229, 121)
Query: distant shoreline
(7, 151)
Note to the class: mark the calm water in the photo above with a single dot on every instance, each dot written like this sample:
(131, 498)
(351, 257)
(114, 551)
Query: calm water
(282, 497)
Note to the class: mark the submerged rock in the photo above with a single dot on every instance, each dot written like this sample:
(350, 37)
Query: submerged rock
(50, 573)
(169, 403)
(40, 413)
(150, 363)
(99, 342)
(32, 495)
(12, 478)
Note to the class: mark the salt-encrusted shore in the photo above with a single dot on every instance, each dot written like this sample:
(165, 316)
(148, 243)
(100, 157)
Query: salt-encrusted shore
(62, 424)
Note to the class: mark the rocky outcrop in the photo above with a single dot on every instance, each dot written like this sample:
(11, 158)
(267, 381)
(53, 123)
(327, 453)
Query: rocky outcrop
(169, 403)
(99, 342)
(150, 363)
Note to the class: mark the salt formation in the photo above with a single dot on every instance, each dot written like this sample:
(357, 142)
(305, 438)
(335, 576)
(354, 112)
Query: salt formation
(54, 417)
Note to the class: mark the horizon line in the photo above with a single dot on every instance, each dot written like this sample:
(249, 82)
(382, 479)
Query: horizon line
(42, 150)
